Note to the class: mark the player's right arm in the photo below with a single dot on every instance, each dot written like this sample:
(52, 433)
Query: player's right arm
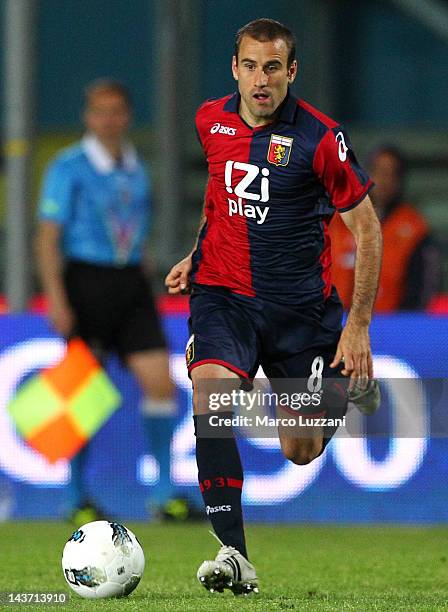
(178, 278)
(53, 212)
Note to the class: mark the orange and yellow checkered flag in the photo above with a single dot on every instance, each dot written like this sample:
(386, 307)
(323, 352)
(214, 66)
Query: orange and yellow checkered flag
(61, 408)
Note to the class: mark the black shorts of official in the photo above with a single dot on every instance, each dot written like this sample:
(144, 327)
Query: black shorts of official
(242, 333)
(114, 308)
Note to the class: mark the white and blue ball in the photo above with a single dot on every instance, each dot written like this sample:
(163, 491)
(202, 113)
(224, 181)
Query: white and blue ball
(103, 559)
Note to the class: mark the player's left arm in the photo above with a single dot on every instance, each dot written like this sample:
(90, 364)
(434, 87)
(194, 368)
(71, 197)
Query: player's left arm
(354, 345)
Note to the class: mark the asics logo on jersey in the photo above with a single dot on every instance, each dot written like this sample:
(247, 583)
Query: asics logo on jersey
(342, 147)
(213, 509)
(222, 129)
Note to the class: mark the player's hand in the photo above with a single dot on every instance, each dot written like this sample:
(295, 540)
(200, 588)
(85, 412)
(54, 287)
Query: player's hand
(354, 352)
(62, 318)
(178, 278)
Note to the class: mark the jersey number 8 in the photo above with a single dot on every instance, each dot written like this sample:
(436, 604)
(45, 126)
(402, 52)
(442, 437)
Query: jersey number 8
(315, 380)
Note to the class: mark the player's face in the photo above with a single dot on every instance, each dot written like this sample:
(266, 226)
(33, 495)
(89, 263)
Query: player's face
(263, 77)
(107, 115)
(386, 176)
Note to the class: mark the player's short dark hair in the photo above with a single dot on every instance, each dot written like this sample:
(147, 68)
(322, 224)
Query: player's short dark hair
(266, 30)
(109, 86)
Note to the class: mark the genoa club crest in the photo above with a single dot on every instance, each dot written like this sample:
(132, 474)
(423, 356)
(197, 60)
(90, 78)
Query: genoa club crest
(279, 150)
(189, 351)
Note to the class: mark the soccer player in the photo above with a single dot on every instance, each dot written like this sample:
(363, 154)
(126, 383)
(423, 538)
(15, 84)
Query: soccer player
(260, 273)
(94, 217)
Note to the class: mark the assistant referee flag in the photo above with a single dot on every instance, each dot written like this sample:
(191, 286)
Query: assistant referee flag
(58, 410)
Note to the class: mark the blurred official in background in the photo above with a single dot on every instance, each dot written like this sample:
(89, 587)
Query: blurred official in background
(94, 219)
(411, 268)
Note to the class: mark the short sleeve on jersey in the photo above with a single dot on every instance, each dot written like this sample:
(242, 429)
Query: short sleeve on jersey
(201, 119)
(339, 171)
(55, 198)
(199, 123)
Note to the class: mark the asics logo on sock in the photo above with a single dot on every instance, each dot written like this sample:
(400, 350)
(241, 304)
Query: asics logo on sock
(213, 509)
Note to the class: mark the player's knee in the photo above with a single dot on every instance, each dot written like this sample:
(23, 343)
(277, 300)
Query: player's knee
(300, 457)
(197, 401)
(303, 454)
(201, 398)
(207, 389)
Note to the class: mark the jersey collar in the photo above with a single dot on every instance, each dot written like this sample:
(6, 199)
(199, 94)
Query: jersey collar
(288, 108)
(101, 159)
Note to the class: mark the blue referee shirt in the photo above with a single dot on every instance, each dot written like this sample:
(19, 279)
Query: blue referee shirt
(102, 207)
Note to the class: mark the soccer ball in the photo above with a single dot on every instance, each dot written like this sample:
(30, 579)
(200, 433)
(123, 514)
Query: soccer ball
(103, 559)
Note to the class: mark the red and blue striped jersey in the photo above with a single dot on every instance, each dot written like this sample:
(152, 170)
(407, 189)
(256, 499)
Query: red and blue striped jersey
(271, 193)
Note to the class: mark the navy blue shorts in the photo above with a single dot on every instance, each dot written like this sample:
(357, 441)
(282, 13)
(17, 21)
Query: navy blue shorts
(242, 333)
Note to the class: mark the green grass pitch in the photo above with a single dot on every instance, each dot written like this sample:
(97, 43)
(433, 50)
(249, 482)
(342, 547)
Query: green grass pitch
(299, 567)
